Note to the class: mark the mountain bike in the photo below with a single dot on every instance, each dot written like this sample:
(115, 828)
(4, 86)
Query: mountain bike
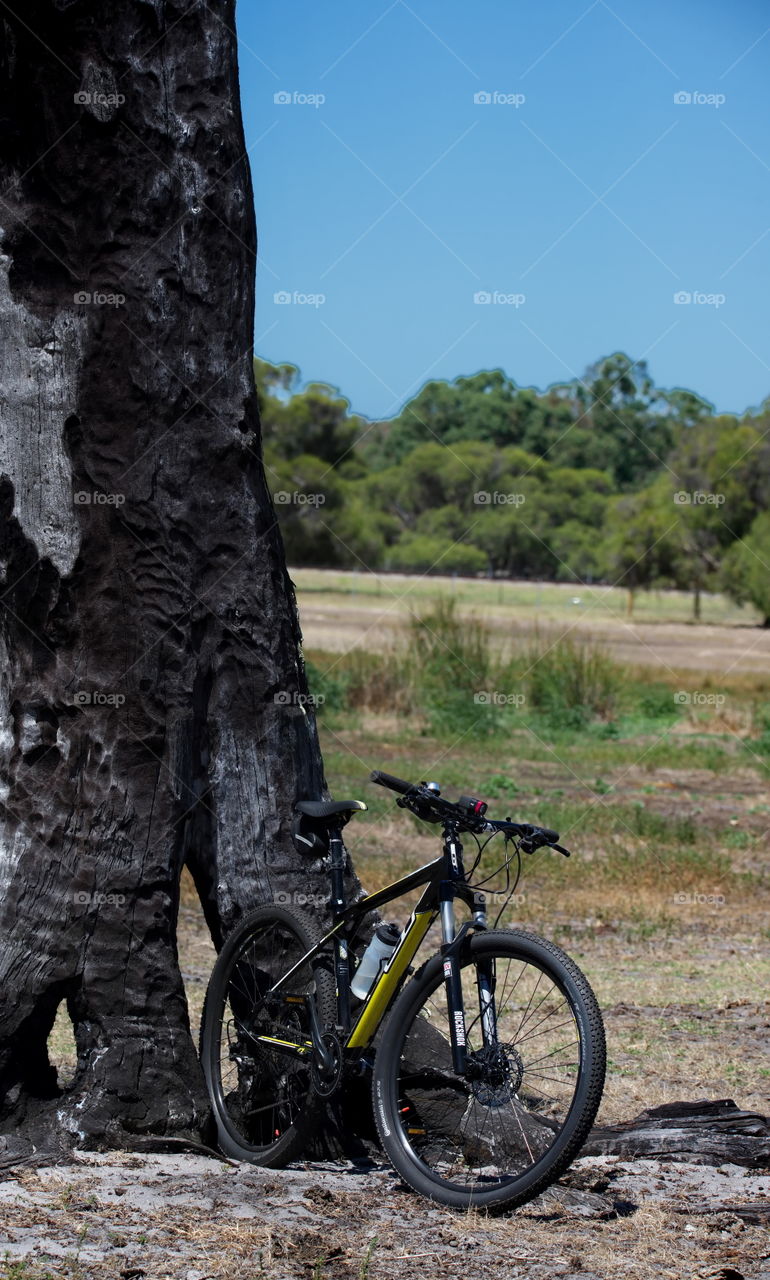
(487, 1067)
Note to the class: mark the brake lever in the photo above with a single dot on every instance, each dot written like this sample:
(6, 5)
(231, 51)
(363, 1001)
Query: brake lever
(531, 846)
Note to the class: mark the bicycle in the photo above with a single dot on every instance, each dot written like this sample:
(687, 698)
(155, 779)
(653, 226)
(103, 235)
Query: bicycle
(487, 1067)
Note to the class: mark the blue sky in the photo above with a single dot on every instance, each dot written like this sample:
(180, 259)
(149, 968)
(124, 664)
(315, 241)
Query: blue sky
(582, 188)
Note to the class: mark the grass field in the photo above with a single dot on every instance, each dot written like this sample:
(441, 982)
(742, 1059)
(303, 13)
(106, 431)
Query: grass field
(343, 611)
(665, 903)
(550, 600)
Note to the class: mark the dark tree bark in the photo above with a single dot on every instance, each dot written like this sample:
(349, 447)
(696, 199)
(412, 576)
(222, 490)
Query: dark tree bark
(704, 1132)
(148, 622)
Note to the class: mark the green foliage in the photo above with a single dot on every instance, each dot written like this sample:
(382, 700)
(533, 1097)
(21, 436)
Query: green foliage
(571, 682)
(315, 420)
(421, 553)
(328, 685)
(654, 700)
(746, 569)
(655, 826)
(450, 660)
(605, 478)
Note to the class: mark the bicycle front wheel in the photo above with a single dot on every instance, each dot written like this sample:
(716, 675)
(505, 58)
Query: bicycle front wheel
(255, 1042)
(501, 1133)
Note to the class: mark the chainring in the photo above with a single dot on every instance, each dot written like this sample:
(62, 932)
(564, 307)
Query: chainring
(326, 1083)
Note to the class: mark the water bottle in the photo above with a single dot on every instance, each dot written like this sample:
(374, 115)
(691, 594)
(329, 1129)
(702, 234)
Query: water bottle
(380, 949)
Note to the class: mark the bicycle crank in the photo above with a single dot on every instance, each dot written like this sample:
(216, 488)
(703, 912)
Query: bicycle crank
(326, 1074)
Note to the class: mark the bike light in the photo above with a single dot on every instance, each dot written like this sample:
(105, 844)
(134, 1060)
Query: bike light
(478, 807)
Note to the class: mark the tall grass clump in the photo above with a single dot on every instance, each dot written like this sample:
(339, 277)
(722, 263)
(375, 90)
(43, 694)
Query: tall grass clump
(571, 682)
(433, 671)
(446, 670)
(451, 667)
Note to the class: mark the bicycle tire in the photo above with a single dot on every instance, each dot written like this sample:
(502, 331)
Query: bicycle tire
(490, 1123)
(263, 1102)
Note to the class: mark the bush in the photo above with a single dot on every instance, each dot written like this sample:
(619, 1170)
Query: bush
(430, 553)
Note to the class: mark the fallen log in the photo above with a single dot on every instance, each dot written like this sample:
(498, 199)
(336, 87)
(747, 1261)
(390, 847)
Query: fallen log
(717, 1132)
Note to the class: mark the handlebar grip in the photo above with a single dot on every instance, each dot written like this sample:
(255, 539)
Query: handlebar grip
(387, 780)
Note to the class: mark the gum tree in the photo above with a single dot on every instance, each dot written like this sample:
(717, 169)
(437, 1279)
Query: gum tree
(148, 622)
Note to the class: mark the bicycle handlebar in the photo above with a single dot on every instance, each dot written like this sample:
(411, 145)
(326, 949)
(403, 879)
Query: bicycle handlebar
(431, 807)
(395, 784)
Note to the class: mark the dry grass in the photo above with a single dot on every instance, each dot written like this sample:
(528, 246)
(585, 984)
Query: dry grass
(360, 1235)
(666, 907)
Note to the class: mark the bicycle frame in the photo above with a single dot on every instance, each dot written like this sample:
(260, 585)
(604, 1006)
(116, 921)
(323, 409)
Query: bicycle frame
(444, 880)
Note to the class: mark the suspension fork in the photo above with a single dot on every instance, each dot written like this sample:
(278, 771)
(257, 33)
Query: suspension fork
(450, 947)
(485, 983)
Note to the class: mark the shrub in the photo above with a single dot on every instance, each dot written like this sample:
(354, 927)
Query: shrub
(429, 553)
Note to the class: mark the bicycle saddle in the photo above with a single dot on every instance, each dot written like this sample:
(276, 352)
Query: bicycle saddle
(327, 808)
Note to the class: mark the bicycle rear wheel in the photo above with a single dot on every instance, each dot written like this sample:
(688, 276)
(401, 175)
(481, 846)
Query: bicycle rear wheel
(254, 1045)
(500, 1134)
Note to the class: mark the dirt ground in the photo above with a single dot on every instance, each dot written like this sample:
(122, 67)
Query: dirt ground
(344, 611)
(155, 1217)
(338, 624)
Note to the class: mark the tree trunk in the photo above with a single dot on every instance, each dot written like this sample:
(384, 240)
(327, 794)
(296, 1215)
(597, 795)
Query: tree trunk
(703, 1132)
(696, 605)
(148, 624)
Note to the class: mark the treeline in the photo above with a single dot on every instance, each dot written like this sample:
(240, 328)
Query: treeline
(604, 479)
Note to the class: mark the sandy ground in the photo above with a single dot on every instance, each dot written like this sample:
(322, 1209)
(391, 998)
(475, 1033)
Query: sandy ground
(185, 1216)
(340, 624)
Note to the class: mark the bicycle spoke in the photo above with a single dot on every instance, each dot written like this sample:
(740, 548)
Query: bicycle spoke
(490, 1128)
(262, 1089)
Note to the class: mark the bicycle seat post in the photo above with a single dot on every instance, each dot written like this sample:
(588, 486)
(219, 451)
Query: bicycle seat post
(337, 905)
(337, 870)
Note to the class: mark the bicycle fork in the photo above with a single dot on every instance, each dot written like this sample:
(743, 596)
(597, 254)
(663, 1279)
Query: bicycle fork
(485, 981)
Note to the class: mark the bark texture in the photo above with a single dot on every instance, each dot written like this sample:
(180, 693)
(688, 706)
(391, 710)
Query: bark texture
(703, 1132)
(148, 624)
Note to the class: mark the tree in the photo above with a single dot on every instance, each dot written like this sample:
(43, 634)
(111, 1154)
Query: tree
(718, 483)
(637, 551)
(148, 622)
(425, 553)
(746, 568)
(313, 420)
(623, 410)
